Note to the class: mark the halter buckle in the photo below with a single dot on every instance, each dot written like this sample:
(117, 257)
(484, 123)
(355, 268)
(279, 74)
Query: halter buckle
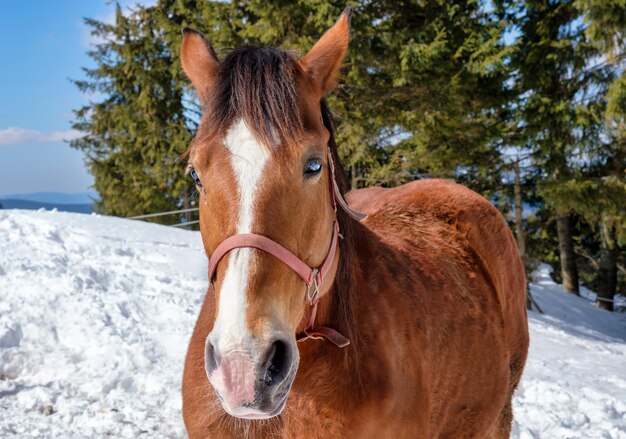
(313, 288)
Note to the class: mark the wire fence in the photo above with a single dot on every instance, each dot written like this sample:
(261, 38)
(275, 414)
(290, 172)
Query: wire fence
(170, 212)
(188, 223)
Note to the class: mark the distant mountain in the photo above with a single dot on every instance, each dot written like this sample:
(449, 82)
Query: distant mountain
(35, 205)
(54, 197)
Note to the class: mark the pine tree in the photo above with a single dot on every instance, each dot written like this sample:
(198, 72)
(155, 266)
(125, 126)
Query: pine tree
(564, 64)
(605, 182)
(421, 95)
(422, 84)
(550, 56)
(444, 76)
(136, 127)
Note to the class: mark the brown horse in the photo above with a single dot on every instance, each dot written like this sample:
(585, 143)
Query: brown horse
(428, 288)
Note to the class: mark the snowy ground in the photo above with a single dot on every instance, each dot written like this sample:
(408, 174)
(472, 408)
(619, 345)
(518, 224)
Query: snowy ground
(95, 314)
(574, 385)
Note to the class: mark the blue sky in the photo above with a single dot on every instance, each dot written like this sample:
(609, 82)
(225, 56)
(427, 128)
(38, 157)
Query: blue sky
(43, 44)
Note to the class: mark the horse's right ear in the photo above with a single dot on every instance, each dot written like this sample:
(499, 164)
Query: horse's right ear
(323, 62)
(199, 61)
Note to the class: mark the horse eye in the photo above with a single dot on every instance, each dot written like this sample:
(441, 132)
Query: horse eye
(313, 167)
(195, 177)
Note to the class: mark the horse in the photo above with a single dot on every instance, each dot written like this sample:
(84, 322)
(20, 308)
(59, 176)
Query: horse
(378, 313)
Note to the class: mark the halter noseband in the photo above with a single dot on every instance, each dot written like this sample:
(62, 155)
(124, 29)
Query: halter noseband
(312, 277)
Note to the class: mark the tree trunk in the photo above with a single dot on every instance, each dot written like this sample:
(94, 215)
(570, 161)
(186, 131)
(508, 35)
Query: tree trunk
(519, 228)
(569, 272)
(353, 183)
(519, 225)
(607, 274)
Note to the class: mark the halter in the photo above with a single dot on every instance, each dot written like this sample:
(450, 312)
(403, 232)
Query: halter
(312, 277)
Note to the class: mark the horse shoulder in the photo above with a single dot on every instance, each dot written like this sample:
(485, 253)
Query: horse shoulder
(471, 214)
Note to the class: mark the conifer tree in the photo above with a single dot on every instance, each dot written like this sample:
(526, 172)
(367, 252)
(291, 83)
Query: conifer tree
(550, 58)
(605, 184)
(421, 95)
(136, 127)
(564, 64)
(422, 84)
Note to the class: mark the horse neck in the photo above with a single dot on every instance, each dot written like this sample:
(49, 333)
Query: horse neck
(339, 307)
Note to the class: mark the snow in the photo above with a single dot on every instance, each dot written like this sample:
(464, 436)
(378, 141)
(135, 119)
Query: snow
(95, 315)
(96, 312)
(574, 385)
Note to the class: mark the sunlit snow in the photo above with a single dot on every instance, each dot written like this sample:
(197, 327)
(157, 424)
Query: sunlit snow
(96, 312)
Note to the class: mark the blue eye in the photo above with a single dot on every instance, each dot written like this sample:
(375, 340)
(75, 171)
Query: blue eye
(313, 167)
(195, 177)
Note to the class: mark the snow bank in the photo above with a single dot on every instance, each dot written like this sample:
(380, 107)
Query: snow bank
(95, 315)
(96, 312)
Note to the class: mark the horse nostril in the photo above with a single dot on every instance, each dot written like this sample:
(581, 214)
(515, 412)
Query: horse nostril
(277, 363)
(211, 358)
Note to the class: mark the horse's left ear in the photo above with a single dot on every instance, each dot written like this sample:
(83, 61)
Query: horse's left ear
(323, 62)
(199, 62)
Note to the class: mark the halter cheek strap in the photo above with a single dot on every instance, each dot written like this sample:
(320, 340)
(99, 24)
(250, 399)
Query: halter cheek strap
(312, 277)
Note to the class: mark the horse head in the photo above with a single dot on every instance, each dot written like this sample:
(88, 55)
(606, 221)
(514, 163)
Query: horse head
(264, 171)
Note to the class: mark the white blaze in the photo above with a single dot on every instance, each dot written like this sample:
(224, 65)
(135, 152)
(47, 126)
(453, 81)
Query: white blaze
(248, 157)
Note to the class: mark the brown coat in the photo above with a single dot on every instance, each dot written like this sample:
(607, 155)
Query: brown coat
(441, 330)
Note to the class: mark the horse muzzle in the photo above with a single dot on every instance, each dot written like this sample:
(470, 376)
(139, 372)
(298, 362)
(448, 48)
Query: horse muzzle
(253, 383)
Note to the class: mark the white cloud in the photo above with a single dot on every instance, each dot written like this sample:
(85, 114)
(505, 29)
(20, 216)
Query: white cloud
(15, 136)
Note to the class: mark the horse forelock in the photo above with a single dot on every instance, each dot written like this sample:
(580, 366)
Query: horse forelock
(260, 87)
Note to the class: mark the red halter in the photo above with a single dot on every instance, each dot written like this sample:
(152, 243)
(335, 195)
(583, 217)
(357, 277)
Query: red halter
(312, 277)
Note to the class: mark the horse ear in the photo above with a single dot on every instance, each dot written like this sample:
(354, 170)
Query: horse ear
(199, 61)
(323, 61)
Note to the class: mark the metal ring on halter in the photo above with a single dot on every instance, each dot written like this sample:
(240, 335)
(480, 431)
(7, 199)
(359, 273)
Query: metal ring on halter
(313, 288)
